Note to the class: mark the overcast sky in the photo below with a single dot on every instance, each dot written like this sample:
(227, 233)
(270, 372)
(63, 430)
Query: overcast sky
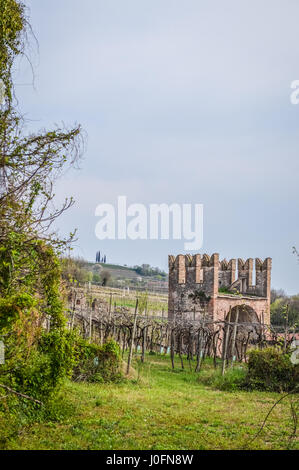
(183, 101)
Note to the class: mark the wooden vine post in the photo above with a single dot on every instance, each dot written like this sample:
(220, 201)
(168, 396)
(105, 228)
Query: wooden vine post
(234, 337)
(101, 332)
(172, 339)
(225, 341)
(110, 303)
(90, 325)
(132, 338)
(200, 340)
(144, 334)
(286, 328)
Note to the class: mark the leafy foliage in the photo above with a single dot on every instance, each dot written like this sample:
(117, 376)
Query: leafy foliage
(97, 363)
(147, 270)
(142, 302)
(199, 297)
(12, 27)
(270, 369)
(105, 277)
(285, 310)
(74, 272)
(30, 274)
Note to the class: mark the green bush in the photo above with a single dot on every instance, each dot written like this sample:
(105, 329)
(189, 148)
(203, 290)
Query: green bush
(60, 345)
(270, 369)
(60, 353)
(38, 370)
(96, 363)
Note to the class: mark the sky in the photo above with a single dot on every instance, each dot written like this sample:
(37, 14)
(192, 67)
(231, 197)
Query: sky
(181, 102)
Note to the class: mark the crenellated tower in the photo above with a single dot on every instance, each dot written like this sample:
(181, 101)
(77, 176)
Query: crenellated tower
(202, 284)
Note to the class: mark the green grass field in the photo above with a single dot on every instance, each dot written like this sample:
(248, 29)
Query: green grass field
(153, 306)
(156, 303)
(160, 409)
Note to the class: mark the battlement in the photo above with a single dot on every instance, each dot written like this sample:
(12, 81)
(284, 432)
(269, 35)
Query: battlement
(209, 274)
(202, 283)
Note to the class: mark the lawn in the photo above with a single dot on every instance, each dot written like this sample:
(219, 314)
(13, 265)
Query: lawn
(160, 409)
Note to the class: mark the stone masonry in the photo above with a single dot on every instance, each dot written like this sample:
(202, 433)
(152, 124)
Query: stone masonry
(202, 283)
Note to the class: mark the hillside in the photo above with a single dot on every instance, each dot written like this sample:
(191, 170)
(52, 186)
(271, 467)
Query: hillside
(143, 277)
(116, 271)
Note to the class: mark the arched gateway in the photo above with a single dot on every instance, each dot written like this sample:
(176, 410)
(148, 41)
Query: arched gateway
(202, 285)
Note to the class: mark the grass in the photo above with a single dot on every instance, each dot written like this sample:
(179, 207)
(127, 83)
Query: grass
(155, 303)
(160, 408)
(152, 305)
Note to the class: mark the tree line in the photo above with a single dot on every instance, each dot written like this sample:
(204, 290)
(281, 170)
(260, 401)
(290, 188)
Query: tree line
(284, 308)
(147, 270)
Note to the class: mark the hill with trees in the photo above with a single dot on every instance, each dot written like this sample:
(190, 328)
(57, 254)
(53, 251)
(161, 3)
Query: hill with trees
(81, 271)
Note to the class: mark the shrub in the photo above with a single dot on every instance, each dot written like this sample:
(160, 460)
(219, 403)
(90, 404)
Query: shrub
(96, 363)
(270, 369)
(59, 345)
(61, 353)
(39, 369)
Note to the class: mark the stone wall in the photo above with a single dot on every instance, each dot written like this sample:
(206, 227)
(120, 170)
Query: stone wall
(194, 283)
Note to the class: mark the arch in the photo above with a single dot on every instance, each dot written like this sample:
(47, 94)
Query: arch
(246, 314)
(248, 330)
(248, 321)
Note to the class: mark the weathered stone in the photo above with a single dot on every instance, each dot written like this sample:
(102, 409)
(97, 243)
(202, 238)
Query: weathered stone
(194, 283)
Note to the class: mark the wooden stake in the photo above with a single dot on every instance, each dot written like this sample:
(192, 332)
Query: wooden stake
(200, 338)
(132, 339)
(234, 337)
(90, 325)
(286, 328)
(110, 303)
(180, 340)
(226, 342)
(172, 347)
(101, 333)
(143, 344)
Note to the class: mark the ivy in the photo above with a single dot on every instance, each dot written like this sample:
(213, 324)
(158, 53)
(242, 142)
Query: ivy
(30, 271)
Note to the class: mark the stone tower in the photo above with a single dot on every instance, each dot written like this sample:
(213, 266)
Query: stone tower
(204, 283)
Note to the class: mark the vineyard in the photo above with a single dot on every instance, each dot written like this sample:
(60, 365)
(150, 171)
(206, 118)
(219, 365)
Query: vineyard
(140, 325)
